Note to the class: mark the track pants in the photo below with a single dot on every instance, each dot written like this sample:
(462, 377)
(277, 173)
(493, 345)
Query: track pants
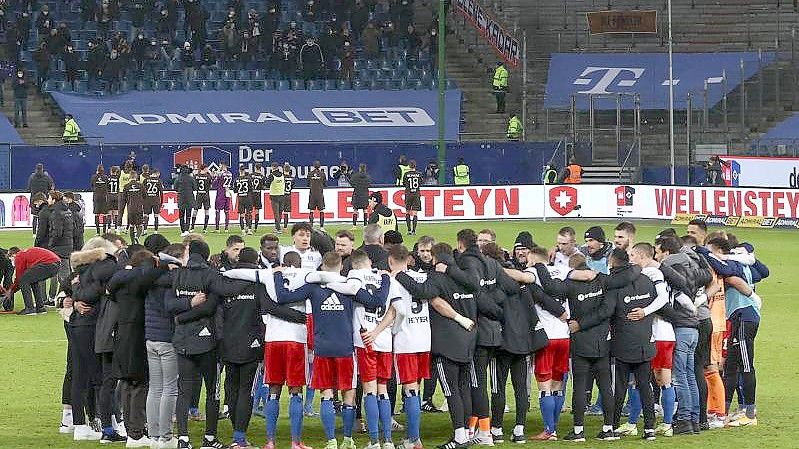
(516, 365)
(66, 388)
(430, 384)
(701, 360)
(134, 407)
(277, 209)
(85, 370)
(641, 372)
(192, 370)
(482, 358)
(584, 370)
(108, 387)
(241, 377)
(457, 380)
(740, 361)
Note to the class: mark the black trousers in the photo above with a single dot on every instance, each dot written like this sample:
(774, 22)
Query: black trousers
(430, 384)
(32, 281)
(192, 370)
(241, 377)
(482, 358)
(457, 381)
(584, 370)
(134, 407)
(185, 218)
(85, 371)
(641, 372)
(701, 360)
(740, 361)
(66, 387)
(108, 388)
(277, 209)
(516, 365)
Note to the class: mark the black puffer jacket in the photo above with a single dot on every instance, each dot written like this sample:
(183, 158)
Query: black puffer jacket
(61, 230)
(195, 329)
(360, 183)
(95, 268)
(159, 324)
(40, 181)
(42, 239)
(631, 341)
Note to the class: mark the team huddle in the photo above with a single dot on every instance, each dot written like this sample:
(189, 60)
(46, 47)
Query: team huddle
(671, 323)
(138, 194)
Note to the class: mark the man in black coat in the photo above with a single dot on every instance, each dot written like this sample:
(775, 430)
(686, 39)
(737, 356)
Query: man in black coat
(60, 237)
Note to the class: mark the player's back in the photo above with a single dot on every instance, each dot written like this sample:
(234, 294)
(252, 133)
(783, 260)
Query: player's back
(413, 181)
(412, 328)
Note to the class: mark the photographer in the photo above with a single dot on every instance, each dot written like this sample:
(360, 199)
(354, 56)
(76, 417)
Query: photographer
(713, 168)
(342, 175)
(431, 174)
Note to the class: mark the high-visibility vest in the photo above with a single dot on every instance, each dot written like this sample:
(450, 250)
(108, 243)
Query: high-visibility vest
(461, 173)
(575, 174)
(387, 223)
(500, 77)
(71, 131)
(514, 128)
(278, 186)
(550, 176)
(403, 169)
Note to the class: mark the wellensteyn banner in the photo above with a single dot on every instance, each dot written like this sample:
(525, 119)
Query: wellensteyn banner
(509, 202)
(503, 42)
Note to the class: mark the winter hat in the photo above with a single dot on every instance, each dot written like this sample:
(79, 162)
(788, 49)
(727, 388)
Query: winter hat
(524, 240)
(596, 233)
(200, 248)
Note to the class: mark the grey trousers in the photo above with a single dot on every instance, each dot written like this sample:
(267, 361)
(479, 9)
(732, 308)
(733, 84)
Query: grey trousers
(163, 393)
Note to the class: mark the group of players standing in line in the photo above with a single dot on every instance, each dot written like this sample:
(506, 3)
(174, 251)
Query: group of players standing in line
(140, 194)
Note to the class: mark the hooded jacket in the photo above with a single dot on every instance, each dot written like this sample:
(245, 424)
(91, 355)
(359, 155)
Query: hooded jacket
(128, 290)
(481, 276)
(42, 239)
(61, 230)
(95, 268)
(40, 181)
(159, 324)
(239, 315)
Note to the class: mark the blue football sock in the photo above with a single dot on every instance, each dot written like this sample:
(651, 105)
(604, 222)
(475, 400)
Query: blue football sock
(547, 404)
(372, 416)
(272, 412)
(750, 410)
(560, 398)
(348, 416)
(238, 436)
(108, 430)
(295, 417)
(564, 384)
(309, 395)
(668, 399)
(413, 410)
(635, 406)
(194, 411)
(327, 414)
(385, 416)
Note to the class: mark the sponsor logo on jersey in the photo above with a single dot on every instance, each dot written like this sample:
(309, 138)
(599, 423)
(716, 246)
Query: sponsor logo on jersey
(332, 304)
(589, 295)
(629, 299)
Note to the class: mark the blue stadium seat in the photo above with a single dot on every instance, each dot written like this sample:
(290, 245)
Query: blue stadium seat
(206, 85)
(257, 85)
(82, 87)
(211, 75)
(297, 85)
(416, 85)
(228, 75)
(244, 75)
(283, 85)
(193, 85)
(175, 85)
(451, 84)
(359, 85)
(161, 85)
(344, 85)
(269, 85)
(223, 85)
(315, 85)
(330, 85)
(258, 74)
(239, 85)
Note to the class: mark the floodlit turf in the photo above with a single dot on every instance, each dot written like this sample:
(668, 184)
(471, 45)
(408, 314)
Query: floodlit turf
(32, 357)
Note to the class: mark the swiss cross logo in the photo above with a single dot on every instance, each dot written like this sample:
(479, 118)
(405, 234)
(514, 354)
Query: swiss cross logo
(169, 209)
(563, 199)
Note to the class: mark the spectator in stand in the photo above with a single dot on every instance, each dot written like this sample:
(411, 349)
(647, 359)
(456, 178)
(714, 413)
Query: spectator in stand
(413, 39)
(13, 47)
(24, 29)
(187, 61)
(248, 50)
(431, 173)
(88, 9)
(54, 44)
(401, 13)
(238, 9)
(71, 66)
(255, 29)
(105, 16)
(169, 54)
(196, 16)
(114, 71)
(64, 36)
(432, 42)
(20, 100)
(41, 56)
(3, 19)
(269, 23)
(229, 41)
(287, 61)
(233, 16)
(327, 42)
(370, 38)
(208, 58)
(309, 11)
(391, 34)
(342, 37)
(152, 60)
(167, 23)
(95, 61)
(311, 59)
(347, 62)
(139, 11)
(359, 15)
(45, 22)
(138, 51)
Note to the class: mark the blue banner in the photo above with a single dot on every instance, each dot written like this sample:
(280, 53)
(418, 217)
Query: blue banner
(8, 134)
(263, 116)
(491, 163)
(648, 75)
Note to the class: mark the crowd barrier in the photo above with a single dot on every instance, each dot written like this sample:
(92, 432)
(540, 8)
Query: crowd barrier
(620, 201)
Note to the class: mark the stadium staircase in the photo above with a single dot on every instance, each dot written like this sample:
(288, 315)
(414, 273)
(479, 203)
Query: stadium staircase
(698, 26)
(44, 125)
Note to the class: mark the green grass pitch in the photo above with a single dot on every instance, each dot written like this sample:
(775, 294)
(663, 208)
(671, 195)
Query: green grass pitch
(32, 356)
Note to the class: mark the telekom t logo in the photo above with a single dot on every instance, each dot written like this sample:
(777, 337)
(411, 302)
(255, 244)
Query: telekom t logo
(609, 78)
